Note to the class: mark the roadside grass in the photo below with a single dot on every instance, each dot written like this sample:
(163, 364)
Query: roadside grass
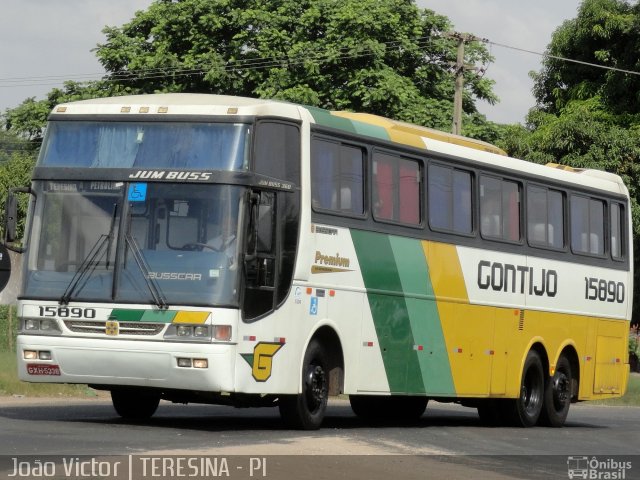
(630, 399)
(11, 385)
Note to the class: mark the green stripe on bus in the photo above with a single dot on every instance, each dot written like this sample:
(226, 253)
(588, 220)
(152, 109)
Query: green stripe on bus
(433, 358)
(390, 312)
(374, 131)
(324, 117)
(158, 316)
(126, 315)
(131, 315)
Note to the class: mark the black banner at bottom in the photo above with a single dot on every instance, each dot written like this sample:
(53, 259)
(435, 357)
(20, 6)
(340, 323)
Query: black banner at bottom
(320, 467)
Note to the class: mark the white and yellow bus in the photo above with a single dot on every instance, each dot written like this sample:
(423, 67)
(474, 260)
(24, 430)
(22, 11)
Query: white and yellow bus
(225, 250)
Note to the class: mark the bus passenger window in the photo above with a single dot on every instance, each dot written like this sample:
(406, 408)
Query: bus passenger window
(396, 189)
(545, 217)
(587, 225)
(450, 199)
(617, 220)
(499, 209)
(337, 177)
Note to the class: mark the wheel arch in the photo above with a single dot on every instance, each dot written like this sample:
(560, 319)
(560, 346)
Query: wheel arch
(571, 353)
(330, 341)
(537, 345)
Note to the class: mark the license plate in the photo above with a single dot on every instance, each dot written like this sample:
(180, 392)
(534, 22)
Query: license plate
(38, 369)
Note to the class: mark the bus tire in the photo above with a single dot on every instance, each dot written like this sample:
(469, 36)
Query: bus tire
(133, 404)
(525, 410)
(557, 395)
(306, 410)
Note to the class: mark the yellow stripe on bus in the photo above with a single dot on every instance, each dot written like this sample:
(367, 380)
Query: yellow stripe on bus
(191, 317)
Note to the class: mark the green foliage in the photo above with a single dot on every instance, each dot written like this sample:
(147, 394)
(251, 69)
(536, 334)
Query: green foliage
(27, 120)
(16, 172)
(8, 328)
(605, 32)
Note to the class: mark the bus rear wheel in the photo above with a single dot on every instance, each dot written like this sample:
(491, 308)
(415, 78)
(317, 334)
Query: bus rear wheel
(525, 410)
(557, 395)
(133, 404)
(306, 410)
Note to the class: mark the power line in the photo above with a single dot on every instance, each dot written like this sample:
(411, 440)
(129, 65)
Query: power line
(343, 53)
(563, 59)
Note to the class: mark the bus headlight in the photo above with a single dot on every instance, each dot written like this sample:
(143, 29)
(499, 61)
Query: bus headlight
(42, 326)
(198, 333)
(183, 331)
(188, 333)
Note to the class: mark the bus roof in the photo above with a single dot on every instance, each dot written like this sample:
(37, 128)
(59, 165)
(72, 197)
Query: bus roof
(356, 123)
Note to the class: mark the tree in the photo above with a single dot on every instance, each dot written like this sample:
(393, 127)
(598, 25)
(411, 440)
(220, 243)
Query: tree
(385, 57)
(379, 56)
(605, 32)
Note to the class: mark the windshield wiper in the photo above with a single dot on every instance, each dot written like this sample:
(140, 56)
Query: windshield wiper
(91, 260)
(154, 289)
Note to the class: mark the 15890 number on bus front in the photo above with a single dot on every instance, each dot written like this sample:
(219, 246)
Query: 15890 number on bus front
(67, 312)
(603, 290)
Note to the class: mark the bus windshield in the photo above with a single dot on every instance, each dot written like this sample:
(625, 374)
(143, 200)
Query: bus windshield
(183, 145)
(159, 243)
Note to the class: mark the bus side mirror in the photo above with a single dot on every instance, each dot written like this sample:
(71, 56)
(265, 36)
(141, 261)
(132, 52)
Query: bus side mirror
(5, 267)
(10, 237)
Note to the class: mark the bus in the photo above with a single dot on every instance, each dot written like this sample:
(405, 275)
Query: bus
(248, 252)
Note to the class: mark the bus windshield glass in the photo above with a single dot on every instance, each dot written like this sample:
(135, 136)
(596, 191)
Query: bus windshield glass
(159, 243)
(181, 145)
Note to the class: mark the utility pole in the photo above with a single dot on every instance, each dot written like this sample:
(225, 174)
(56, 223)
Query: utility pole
(457, 97)
(460, 68)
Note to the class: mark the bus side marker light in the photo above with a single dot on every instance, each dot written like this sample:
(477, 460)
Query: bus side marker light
(418, 348)
(367, 344)
(587, 359)
(280, 340)
(249, 338)
(332, 293)
(309, 290)
(457, 350)
(222, 332)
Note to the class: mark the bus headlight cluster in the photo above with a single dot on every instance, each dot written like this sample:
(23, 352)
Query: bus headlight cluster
(195, 333)
(42, 326)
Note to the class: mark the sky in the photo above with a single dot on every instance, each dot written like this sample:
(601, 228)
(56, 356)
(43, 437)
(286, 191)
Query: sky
(45, 42)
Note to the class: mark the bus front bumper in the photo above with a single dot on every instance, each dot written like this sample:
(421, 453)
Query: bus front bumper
(127, 363)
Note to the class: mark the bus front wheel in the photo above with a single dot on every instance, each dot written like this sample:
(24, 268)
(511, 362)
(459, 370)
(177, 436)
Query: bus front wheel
(135, 404)
(525, 410)
(557, 395)
(306, 410)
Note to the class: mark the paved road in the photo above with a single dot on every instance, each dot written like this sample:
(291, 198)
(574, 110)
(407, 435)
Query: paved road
(448, 441)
